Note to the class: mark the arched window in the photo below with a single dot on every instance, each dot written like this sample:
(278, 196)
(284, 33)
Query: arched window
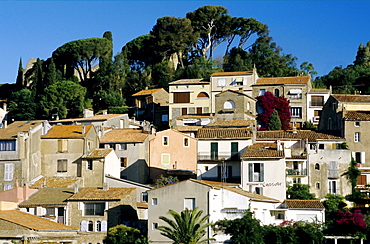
(202, 95)
(83, 226)
(318, 185)
(276, 92)
(98, 226)
(90, 226)
(317, 166)
(104, 226)
(229, 105)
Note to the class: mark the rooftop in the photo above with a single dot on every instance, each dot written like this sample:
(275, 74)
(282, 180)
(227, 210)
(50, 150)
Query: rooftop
(357, 115)
(352, 98)
(55, 182)
(101, 117)
(317, 90)
(147, 92)
(124, 135)
(16, 127)
(189, 82)
(68, 131)
(311, 136)
(303, 204)
(99, 194)
(296, 80)
(231, 123)
(232, 73)
(224, 133)
(187, 128)
(99, 153)
(263, 150)
(48, 197)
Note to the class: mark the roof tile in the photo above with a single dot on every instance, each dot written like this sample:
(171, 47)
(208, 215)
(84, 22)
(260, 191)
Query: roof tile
(232, 73)
(357, 115)
(224, 133)
(99, 194)
(48, 197)
(55, 182)
(147, 92)
(68, 131)
(311, 136)
(298, 80)
(12, 130)
(303, 204)
(189, 82)
(124, 135)
(263, 150)
(352, 98)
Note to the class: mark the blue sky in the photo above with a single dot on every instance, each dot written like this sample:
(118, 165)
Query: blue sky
(325, 33)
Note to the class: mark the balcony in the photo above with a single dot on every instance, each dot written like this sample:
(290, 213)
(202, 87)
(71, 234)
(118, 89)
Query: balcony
(296, 172)
(218, 156)
(295, 96)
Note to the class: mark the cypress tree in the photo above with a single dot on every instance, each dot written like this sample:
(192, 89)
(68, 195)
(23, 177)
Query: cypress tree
(274, 123)
(19, 81)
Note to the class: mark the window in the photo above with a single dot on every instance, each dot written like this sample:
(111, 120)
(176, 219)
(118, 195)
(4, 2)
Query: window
(317, 101)
(181, 97)
(317, 185)
(280, 216)
(123, 146)
(144, 197)
(239, 81)
(259, 190)
(83, 226)
(189, 203)
(50, 211)
(276, 92)
(89, 164)
(184, 111)
(164, 117)
(63, 145)
(186, 142)
(98, 226)
(333, 187)
(94, 209)
(295, 93)
(165, 160)
(221, 82)
(361, 180)
(333, 169)
(154, 201)
(357, 123)
(317, 166)
(199, 110)
(123, 162)
(261, 92)
(357, 136)
(255, 171)
(165, 141)
(62, 165)
(229, 105)
(7, 145)
(154, 226)
(8, 172)
(214, 151)
(206, 168)
(202, 95)
(321, 146)
(317, 113)
(296, 112)
(359, 157)
(90, 226)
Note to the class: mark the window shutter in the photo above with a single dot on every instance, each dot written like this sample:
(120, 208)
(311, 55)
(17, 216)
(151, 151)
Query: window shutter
(104, 226)
(362, 157)
(83, 226)
(250, 172)
(261, 173)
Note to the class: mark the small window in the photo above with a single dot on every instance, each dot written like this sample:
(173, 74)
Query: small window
(317, 166)
(184, 111)
(186, 142)
(50, 211)
(280, 216)
(8, 172)
(98, 226)
(206, 168)
(62, 165)
(8, 187)
(357, 137)
(62, 145)
(123, 146)
(357, 123)
(221, 82)
(321, 146)
(123, 162)
(154, 226)
(165, 141)
(164, 117)
(259, 190)
(189, 203)
(229, 105)
(317, 185)
(154, 201)
(90, 226)
(89, 164)
(261, 92)
(94, 209)
(144, 197)
(276, 92)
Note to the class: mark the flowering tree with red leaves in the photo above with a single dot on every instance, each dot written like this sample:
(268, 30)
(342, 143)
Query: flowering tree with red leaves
(268, 103)
(351, 223)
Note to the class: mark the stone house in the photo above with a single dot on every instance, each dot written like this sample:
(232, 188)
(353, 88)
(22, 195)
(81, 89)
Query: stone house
(234, 105)
(20, 152)
(20, 227)
(62, 149)
(171, 152)
(94, 210)
(220, 147)
(219, 200)
(188, 97)
(316, 99)
(131, 147)
(295, 89)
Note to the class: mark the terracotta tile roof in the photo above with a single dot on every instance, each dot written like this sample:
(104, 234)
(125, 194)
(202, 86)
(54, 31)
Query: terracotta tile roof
(312, 136)
(68, 131)
(232, 73)
(142, 205)
(147, 92)
(263, 150)
(99, 153)
(98, 194)
(32, 222)
(224, 133)
(187, 128)
(189, 82)
(250, 195)
(55, 182)
(48, 197)
(299, 80)
(303, 204)
(14, 128)
(357, 115)
(352, 98)
(101, 117)
(124, 135)
(231, 123)
(237, 92)
(317, 90)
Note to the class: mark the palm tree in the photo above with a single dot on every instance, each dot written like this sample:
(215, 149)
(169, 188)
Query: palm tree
(186, 228)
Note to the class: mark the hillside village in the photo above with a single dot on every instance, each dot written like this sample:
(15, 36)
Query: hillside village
(70, 180)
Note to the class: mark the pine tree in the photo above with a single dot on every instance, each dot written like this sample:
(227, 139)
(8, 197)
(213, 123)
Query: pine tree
(274, 123)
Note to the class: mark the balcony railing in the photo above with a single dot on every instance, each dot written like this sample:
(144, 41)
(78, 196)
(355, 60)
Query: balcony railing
(217, 156)
(296, 172)
(316, 103)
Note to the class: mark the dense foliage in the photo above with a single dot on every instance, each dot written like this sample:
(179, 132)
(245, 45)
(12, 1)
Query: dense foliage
(122, 234)
(267, 104)
(165, 180)
(274, 123)
(188, 227)
(299, 191)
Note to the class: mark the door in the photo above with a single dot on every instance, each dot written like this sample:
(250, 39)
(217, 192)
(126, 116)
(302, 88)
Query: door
(214, 151)
(234, 151)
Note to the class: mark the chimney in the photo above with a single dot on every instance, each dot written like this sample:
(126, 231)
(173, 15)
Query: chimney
(294, 128)
(105, 186)
(4, 107)
(105, 112)
(75, 187)
(83, 129)
(154, 131)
